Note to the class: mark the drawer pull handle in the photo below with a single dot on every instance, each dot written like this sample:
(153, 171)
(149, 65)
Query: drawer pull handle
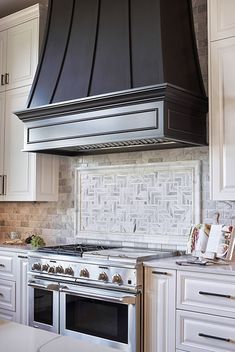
(1, 294)
(2, 80)
(214, 337)
(22, 257)
(7, 78)
(160, 273)
(2, 265)
(214, 294)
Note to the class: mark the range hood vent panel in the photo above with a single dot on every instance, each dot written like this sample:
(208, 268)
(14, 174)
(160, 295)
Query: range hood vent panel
(110, 54)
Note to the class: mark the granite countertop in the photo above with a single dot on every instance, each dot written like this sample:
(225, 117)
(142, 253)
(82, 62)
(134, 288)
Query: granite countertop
(15, 337)
(170, 263)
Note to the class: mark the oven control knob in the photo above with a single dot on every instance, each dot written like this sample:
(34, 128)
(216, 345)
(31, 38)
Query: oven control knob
(45, 267)
(36, 266)
(103, 277)
(117, 279)
(84, 273)
(51, 270)
(69, 271)
(59, 269)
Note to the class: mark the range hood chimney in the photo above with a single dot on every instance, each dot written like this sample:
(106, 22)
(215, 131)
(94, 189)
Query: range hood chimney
(116, 75)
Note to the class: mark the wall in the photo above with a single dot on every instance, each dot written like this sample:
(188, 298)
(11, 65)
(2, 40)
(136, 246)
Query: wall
(55, 221)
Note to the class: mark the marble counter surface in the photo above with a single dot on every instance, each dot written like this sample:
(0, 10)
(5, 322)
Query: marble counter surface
(170, 263)
(15, 248)
(20, 338)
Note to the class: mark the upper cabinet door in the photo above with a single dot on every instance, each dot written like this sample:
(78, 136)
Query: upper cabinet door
(222, 119)
(22, 54)
(18, 166)
(3, 59)
(222, 19)
(2, 114)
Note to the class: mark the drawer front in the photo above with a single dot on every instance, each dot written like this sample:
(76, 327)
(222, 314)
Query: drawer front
(204, 333)
(206, 293)
(7, 295)
(7, 315)
(7, 266)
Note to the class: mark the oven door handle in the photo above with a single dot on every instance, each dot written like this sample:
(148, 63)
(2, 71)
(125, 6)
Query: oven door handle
(127, 299)
(50, 287)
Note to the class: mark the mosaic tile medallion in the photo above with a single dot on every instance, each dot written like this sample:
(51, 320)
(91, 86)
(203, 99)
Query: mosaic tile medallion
(153, 203)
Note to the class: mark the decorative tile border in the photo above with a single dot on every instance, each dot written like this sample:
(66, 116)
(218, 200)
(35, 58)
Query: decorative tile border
(150, 203)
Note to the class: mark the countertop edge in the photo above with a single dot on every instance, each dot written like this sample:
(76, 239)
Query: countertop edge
(170, 263)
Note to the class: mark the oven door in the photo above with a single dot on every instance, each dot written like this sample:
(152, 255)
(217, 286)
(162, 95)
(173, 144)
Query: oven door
(44, 305)
(106, 317)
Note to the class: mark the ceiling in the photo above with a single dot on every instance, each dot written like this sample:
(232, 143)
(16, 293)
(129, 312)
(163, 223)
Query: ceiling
(10, 6)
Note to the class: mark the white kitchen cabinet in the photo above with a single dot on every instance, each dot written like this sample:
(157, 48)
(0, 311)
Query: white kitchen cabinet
(22, 289)
(7, 295)
(19, 39)
(205, 312)
(203, 332)
(7, 315)
(222, 98)
(222, 122)
(23, 176)
(3, 59)
(222, 19)
(2, 127)
(7, 265)
(27, 176)
(13, 285)
(8, 285)
(159, 310)
(207, 293)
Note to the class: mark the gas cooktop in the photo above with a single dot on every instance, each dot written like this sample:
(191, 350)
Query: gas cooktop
(73, 249)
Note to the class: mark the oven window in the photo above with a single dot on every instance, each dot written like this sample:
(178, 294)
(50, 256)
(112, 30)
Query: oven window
(43, 306)
(97, 318)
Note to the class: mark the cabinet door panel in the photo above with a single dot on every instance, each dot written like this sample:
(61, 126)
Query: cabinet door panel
(3, 41)
(207, 293)
(22, 54)
(7, 295)
(7, 315)
(221, 19)
(22, 290)
(222, 122)
(18, 165)
(203, 332)
(2, 117)
(159, 308)
(7, 266)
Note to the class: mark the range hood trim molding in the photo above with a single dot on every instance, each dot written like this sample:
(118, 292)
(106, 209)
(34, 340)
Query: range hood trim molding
(169, 101)
(166, 92)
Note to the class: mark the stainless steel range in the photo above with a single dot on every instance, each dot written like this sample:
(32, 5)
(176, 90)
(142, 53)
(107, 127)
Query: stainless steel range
(89, 292)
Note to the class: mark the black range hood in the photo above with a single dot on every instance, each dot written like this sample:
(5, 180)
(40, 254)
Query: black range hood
(116, 75)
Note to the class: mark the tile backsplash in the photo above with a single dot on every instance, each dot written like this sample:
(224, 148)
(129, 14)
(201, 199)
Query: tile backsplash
(154, 202)
(57, 222)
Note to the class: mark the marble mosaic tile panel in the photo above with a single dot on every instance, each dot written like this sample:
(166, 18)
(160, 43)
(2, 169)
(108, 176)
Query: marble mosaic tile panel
(160, 200)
